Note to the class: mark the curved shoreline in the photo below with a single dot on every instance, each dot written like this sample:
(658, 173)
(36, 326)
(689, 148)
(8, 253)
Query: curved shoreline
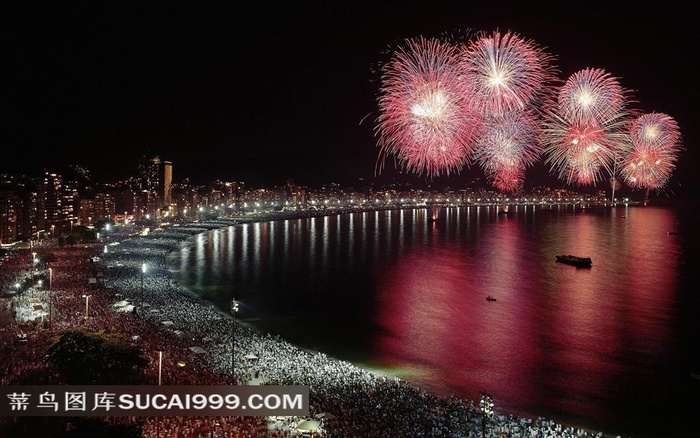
(508, 420)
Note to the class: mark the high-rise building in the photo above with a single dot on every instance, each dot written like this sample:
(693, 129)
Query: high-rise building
(69, 205)
(56, 204)
(156, 176)
(9, 205)
(101, 208)
(50, 189)
(167, 185)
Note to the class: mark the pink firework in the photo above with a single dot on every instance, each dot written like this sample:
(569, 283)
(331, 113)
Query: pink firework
(509, 143)
(653, 153)
(506, 72)
(586, 130)
(581, 152)
(591, 96)
(506, 178)
(425, 119)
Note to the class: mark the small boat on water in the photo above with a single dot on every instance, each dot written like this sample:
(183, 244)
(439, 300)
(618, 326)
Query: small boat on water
(490, 298)
(579, 262)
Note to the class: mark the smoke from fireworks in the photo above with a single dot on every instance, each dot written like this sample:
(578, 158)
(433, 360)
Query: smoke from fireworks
(506, 71)
(653, 153)
(425, 119)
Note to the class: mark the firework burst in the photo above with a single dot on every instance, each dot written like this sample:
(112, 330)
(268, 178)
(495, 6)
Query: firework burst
(654, 150)
(425, 120)
(509, 144)
(506, 178)
(591, 96)
(496, 99)
(506, 72)
(586, 131)
(580, 152)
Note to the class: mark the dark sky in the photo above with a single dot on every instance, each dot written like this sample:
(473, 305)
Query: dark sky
(263, 92)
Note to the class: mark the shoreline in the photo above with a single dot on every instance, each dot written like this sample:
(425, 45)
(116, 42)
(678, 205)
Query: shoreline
(359, 392)
(385, 373)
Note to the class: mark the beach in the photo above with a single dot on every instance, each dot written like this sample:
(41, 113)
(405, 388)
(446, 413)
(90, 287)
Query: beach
(161, 315)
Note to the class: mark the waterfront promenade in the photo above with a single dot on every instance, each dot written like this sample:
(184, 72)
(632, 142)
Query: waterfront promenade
(346, 400)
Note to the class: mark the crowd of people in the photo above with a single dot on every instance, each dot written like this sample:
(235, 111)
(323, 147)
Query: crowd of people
(197, 341)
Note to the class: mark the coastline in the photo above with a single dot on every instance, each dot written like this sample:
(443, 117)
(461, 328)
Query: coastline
(359, 392)
(384, 373)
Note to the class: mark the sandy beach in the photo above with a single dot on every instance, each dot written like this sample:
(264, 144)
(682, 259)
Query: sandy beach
(160, 315)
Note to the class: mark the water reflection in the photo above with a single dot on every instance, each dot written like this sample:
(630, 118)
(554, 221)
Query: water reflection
(398, 290)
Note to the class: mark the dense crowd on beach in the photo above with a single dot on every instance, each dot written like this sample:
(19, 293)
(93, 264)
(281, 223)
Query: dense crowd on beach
(161, 315)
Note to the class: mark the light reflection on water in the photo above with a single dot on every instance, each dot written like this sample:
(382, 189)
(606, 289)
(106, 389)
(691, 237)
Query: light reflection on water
(603, 347)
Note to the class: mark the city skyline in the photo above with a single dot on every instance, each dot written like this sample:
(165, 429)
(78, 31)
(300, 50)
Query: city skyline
(88, 183)
(49, 205)
(290, 92)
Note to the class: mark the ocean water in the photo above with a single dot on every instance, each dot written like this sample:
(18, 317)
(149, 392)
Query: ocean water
(610, 348)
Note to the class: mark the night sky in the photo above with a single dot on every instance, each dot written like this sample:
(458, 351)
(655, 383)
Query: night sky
(264, 92)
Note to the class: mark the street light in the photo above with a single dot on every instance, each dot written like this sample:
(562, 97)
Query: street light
(144, 268)
(87, 303)
(49, 292)
(486, 407)
(160, 367)
(160, 380)
(33, 263)
(234, 309)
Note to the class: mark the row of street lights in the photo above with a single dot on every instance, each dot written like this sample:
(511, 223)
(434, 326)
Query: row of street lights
(144, 269)
(34, 282)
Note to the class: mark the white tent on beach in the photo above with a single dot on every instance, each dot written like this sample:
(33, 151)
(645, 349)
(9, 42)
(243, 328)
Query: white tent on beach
(307, 427)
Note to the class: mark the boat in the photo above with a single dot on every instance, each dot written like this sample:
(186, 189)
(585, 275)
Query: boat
(580, 262)
(490, 298)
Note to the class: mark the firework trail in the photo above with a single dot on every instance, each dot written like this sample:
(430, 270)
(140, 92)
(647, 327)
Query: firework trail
(509, 143)
(585, 131)
(425, 119)
(654, 150)
(506, 72)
